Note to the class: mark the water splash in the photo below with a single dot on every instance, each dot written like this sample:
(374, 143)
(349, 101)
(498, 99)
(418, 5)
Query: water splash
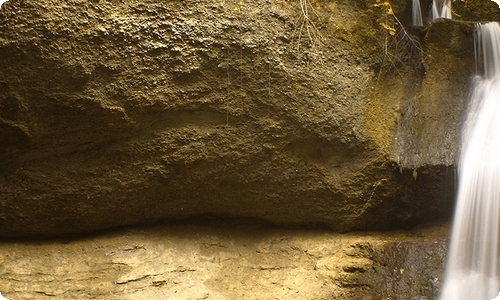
(440, 9)
(417, 14)
(473, 264)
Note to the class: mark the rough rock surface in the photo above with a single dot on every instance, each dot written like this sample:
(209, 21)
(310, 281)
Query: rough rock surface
(227, 262)
(128, 112)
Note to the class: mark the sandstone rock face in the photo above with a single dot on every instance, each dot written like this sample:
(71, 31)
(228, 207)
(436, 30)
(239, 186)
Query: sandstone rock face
(226, 262)
(127, 112)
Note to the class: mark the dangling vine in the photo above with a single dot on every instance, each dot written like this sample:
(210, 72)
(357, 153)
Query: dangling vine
(400, 46)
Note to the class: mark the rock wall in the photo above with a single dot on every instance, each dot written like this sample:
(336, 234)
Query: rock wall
(299, 113)
(130, 112)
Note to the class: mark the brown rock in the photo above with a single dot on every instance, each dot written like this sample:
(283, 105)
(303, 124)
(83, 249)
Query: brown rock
(226, 261)
(117, 113)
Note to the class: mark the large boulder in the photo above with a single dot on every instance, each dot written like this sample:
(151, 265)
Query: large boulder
(296, 112)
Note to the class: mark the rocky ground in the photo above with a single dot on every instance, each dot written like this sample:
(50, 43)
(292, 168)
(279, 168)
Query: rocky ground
(227, 261)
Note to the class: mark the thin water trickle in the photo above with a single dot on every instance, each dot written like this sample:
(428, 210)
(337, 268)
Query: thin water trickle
(472, 271)
(417, 14)
(440, 9)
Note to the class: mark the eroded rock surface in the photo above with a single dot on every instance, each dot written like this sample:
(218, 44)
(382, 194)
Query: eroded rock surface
(226, 261)
(128, 112)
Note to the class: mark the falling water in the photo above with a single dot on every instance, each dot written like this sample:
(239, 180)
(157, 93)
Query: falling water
(473, 265)
(435, 10)
(446, 9)
(417, 14)
(441, 9)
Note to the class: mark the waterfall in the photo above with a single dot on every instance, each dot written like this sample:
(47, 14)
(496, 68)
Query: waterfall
(440, 9)
(446, 9)
(417, 14)
(473, 264)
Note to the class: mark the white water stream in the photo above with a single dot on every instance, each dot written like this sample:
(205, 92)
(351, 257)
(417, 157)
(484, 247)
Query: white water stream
(417, 14)
(473, 260)
(441, 9)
